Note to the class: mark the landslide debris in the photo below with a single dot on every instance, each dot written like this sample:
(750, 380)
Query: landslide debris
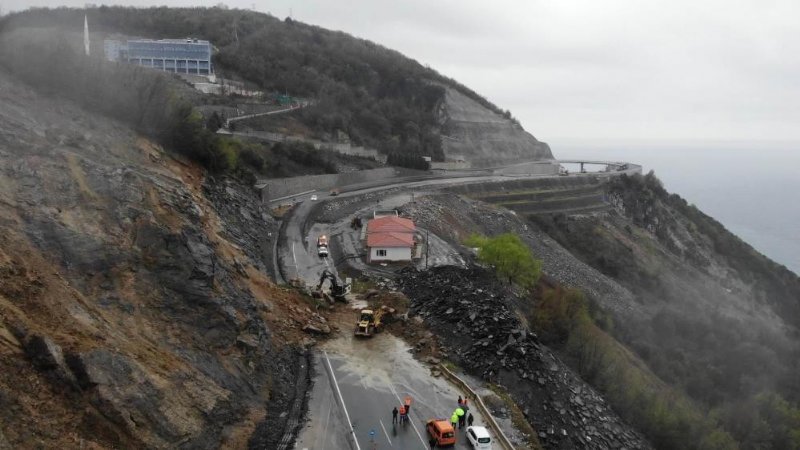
(473, 316)
(133, 314)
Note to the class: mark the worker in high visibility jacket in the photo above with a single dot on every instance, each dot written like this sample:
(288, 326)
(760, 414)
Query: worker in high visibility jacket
(460, 415)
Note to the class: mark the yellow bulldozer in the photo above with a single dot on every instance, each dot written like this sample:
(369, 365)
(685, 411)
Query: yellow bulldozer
(369, 322)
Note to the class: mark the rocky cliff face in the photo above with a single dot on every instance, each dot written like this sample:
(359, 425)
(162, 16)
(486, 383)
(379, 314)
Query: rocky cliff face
(133, 312)
(482, 137)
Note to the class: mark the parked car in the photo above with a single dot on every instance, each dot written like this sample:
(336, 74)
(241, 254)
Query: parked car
(442, 431)
(314, 197)
(479, 437)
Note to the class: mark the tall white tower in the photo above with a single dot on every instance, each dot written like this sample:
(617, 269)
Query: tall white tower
(86, 35)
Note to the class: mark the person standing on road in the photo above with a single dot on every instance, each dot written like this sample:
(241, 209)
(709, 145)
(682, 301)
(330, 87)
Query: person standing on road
(461, 417)
(470, 418)
(459, 400)
(454, 420)
(432, 442)
(394, 415)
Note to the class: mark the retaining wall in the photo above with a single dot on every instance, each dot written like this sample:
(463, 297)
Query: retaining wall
(531, 168)
(283, 187)
(343, 148)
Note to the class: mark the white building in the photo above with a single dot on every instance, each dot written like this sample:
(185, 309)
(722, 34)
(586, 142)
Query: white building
(390, 239)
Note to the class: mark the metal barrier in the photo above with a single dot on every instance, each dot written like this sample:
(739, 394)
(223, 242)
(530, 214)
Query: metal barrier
(501, 437)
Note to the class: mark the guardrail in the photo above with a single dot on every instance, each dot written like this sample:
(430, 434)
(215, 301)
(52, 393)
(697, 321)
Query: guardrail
(502, 439)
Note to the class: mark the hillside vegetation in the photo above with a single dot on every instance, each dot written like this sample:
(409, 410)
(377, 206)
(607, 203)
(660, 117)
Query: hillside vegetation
(722, 320)
(377, 96)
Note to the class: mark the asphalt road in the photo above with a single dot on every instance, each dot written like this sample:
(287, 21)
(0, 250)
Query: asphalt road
(360, 381)
(373, 376)
(299, 256)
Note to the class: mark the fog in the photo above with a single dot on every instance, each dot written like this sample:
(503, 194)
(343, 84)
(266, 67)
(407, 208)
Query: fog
(616, 71)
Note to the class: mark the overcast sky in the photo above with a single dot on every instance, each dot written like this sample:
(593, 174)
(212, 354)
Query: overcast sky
(633, 70)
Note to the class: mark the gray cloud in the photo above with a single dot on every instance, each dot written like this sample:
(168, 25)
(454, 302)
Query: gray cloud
(582, 69)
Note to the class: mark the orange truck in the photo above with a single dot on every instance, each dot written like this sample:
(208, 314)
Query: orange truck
(442, 431)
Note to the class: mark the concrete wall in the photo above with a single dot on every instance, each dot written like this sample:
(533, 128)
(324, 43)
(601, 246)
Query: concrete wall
(341, 147)
(282, 187)
(392, 254)
(451, 165)
(532, 168)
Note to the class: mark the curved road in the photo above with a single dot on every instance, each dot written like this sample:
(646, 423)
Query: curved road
(367, 378)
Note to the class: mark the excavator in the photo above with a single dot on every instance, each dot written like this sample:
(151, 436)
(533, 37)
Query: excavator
(339, 290)
(369, 322)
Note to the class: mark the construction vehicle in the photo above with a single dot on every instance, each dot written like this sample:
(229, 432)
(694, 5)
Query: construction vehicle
(369, 322)
(322, 246)
(339, 290)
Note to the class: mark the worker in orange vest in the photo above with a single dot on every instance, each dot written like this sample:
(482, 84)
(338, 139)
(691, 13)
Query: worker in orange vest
(407, 402)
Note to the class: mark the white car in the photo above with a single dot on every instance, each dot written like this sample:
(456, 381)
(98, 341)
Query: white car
(314, 197)
(479, 437)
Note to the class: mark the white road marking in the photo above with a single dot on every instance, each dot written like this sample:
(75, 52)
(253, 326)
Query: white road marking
(344, 406)
(424, 444)
(384, 432)
(327, 422)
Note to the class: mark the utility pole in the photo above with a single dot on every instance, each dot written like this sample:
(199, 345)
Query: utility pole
(427, 233)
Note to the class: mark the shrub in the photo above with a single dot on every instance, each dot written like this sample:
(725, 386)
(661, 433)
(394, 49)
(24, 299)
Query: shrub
(509, 256)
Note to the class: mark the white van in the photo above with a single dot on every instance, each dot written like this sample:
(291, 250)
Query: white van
(479, 437)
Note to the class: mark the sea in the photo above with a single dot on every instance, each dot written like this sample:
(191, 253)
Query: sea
(752, 189)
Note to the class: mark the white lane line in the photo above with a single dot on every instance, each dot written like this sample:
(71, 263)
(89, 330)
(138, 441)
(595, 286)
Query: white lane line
(344, 406)
(327, 422)
(384, 432)
(424, 444)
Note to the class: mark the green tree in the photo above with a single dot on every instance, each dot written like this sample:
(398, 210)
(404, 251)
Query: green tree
(509, 256)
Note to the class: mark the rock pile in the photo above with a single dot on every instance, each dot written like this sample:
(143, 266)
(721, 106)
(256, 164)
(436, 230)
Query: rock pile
(473, 317)
(247, 222)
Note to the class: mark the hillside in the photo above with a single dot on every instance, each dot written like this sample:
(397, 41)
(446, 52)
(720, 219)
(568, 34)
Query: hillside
(134, 307)
(136, 310)
(376, 96)
(690, 334)
(482, 136)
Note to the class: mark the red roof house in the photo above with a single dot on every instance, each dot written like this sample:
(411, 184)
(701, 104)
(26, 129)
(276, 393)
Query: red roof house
(390, 238)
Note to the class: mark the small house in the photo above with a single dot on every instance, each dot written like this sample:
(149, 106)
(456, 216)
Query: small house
(390, 239)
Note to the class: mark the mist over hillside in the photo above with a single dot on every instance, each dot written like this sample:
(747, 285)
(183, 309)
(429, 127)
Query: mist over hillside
(375, 95)
(118, 190)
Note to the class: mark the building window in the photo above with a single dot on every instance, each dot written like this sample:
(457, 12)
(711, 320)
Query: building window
(380, 252)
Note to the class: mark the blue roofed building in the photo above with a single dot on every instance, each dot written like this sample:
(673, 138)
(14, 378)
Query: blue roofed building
(188, 56)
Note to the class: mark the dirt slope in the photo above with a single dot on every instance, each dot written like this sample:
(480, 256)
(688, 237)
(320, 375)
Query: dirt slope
(483, 137)
(128, 317)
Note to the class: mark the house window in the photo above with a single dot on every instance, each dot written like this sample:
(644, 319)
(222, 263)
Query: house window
(380, 252)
